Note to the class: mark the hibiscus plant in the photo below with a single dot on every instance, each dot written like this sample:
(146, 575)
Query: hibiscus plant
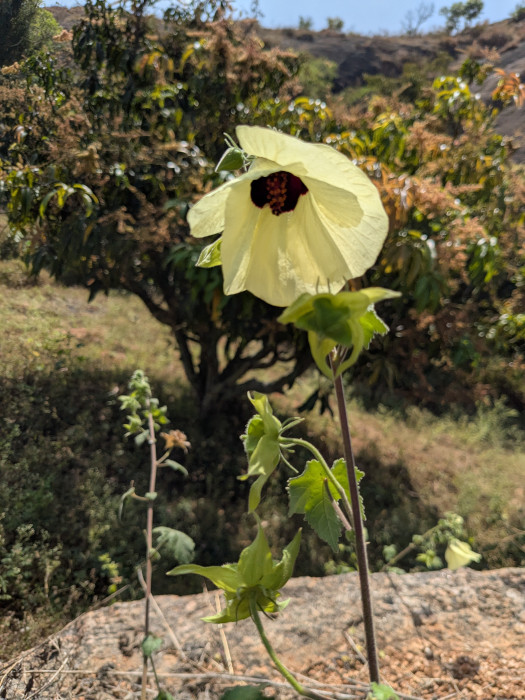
(297, 223)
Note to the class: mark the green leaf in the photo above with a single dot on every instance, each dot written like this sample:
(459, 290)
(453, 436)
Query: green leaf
(382, 692)
(232, 159)
(210, 255)
(341, 474)
(372, 324)
(261, 443)
(245, 692)
(151, 495)
(255, 561)
(129, 492)
(272, 425)
(175, 543)
(308, 496)
(150, 645)
(164, 695)
(225, 577)
(254, 432)
(283, 571)
(254, 497)
(175, 466)
(141, 438)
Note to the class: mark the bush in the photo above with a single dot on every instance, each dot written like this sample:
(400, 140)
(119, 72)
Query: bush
(519, 13)
(335, 24)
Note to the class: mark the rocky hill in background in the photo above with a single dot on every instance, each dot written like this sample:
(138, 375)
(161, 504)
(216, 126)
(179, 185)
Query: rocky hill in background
(357, 56)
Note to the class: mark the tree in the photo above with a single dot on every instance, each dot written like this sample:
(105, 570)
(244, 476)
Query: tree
(336, 24)
(305, 23)
(16, 18)
(466, 11)
(97, 179)
(414, 20)
(107, 190)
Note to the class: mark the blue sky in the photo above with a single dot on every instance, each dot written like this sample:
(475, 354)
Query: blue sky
(365, 17)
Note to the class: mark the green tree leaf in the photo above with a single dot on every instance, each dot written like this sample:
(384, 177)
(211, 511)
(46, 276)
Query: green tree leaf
(174, 543)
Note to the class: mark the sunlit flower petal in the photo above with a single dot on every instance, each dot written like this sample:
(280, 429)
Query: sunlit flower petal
(460, 554)
(302, 219)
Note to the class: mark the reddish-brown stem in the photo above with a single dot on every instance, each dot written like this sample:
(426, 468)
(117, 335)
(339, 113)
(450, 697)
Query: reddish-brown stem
(149, 541)
(360, 544)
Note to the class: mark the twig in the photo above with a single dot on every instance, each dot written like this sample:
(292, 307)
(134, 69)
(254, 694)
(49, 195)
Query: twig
(224, 640)
(159, 612)
(350, 641)
(50, 681)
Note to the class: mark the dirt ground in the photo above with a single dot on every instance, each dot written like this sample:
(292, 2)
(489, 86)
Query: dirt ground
(441, 636)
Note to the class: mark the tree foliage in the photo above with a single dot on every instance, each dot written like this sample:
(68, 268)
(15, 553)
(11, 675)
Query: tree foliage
(461, 11)
(25, 27)
(98, 179)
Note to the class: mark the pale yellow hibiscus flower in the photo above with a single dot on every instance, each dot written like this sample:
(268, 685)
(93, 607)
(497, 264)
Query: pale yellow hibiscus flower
(302, 219)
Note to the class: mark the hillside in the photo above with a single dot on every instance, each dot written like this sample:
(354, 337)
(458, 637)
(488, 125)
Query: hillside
(357, 56)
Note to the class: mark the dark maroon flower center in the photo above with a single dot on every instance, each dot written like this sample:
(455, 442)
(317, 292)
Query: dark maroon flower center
(280, 190)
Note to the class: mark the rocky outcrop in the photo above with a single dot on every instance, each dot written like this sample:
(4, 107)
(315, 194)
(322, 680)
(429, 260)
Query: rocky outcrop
(441, 635)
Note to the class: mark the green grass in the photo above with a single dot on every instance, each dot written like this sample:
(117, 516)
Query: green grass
(43, 320)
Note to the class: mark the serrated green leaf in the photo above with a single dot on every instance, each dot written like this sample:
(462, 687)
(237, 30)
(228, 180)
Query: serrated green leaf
(372, 324)
(308, 495)
(150, 645)
(174, 543)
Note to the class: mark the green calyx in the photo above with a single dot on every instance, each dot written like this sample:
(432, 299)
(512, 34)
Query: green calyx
(255, 576)
(263, 442)
(344, 320)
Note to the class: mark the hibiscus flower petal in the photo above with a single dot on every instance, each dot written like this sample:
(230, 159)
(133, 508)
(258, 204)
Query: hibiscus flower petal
(263, 253)
(317, 161)
(352, 223)
(206, 217)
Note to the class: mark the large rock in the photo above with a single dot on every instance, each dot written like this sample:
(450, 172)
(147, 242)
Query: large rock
(441, 635)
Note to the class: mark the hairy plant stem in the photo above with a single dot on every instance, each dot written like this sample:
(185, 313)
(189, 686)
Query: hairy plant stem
(292, 680)
(149, 542)
(360, 544)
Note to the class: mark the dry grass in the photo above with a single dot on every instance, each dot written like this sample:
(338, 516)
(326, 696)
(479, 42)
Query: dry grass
(45, 319)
